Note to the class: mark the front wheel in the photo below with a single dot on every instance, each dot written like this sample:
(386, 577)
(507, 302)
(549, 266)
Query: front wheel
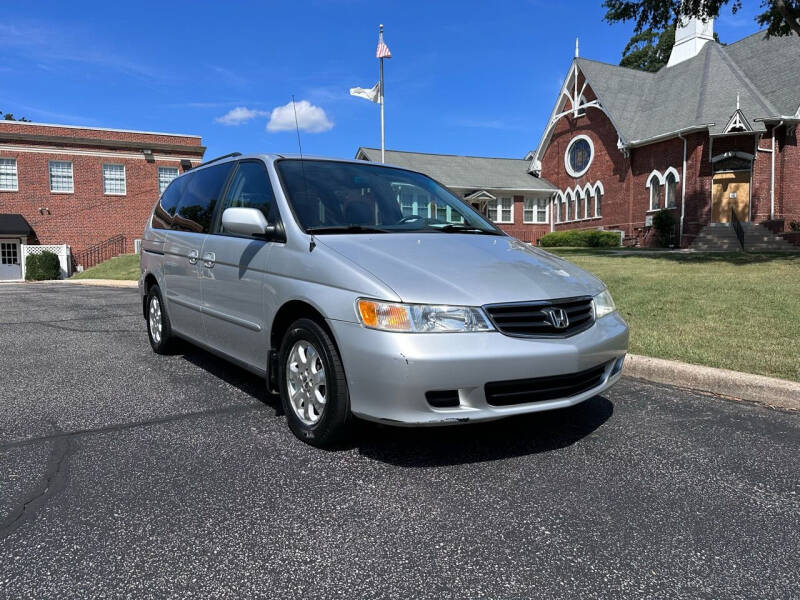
(312, 384)
(159, 329)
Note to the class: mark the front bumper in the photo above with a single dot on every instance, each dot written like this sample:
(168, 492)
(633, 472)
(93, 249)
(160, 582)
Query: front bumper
(388, 374)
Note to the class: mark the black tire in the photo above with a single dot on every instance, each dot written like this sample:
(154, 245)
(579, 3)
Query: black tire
(163, 342)
(335, 419)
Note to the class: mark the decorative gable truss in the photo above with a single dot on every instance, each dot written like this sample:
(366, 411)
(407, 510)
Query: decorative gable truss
(738, 123)
(571, 101)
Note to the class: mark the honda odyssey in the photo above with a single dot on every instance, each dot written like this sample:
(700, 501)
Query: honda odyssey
(363, 290)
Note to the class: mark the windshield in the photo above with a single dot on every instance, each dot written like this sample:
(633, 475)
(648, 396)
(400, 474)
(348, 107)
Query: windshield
(340, 197)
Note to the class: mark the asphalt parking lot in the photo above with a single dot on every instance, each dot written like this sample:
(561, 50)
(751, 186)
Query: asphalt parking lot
(127, 474)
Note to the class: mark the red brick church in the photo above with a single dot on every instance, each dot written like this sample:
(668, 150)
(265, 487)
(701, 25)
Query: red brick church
(710, 136)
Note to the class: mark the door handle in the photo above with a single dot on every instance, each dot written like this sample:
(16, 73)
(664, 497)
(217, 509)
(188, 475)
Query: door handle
(193, 257)
(209, 258)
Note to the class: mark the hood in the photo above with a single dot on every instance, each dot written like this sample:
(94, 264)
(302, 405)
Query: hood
(456, 268)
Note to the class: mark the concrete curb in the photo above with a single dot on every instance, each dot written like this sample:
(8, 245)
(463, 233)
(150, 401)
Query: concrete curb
(767, 391)
(122, 283)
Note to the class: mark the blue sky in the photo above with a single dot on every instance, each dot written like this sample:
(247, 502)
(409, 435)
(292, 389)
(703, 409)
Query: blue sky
(466, 77)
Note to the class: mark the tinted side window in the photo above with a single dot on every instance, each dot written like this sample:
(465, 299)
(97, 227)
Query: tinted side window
(250, 188)
(200, 194)
(165, 209)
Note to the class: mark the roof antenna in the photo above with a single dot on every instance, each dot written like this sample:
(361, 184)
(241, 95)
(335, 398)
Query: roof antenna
(311, 244)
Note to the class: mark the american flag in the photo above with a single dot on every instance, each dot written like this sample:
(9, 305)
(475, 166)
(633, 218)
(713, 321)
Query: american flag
(383, 49)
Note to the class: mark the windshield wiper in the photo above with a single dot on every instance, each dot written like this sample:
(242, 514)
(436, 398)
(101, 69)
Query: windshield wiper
(456, 228)
(345, 229)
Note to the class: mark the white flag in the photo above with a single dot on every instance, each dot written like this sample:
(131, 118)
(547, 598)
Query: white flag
(372, 94)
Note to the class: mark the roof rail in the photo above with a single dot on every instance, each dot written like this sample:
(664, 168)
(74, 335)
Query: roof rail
(213, 160)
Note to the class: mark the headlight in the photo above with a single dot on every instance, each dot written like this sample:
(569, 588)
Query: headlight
(421, 318)
(603, 304)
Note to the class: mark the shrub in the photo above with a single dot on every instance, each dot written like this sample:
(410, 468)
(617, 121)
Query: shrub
(664, 224)
(794, 226)
(39, 267)
(592, 238)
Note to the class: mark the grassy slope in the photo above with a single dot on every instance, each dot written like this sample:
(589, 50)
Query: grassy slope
(125, 266)
(736, 311)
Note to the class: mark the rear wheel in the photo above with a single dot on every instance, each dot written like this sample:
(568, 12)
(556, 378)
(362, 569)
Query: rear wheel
(312, 384)
(159, 329)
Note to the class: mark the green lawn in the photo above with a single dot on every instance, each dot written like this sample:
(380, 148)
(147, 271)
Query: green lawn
(737, 311)
(124, 266)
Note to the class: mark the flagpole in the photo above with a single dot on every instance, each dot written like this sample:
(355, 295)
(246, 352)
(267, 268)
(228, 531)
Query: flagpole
(383, 134)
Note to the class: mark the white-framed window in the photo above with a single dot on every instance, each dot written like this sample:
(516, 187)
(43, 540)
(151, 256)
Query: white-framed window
(671, 185)
(576, 213)
(534, 210)
(579, 155)
(654, 181)
(165, 177)
(569, 213)
(501, 210)
(655, 196)
(557, 203)
(114, 180)
(9, 181)
(598, 203)
(61, 180)
(587, 198)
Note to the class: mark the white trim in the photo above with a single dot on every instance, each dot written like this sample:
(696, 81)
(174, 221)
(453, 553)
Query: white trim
(124, 178)
(567, 166)
(480, 194)
(75, 152)
(599, 186)
(535, 209)
(674, 171)
(71, 176)
(16, 174)
(499, 207)
(657, 174)
(738, 120)
(100, 129)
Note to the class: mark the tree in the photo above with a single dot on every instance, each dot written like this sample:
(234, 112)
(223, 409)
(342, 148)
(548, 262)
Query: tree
(648, 50)
(10, 117)
(781, 17)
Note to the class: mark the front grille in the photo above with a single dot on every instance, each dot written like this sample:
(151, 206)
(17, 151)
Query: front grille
(520, 391)
(531, 318)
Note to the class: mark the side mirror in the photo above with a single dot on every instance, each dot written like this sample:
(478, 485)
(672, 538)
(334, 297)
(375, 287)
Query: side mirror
(245, 221)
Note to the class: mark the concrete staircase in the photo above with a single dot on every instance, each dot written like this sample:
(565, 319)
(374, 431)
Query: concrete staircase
(721, 237)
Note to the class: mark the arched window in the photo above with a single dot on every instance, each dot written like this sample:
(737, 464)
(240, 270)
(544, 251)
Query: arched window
(570, 207)
(598, 203)
(671, 184)
(586, 201)
(654, 182)
(558, 209)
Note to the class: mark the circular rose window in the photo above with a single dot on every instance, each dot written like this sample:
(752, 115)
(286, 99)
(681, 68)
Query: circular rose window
(579, 155)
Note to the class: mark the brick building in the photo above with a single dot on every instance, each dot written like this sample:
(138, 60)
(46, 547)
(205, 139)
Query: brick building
(711, 134)
(501, 188)
(81, 185)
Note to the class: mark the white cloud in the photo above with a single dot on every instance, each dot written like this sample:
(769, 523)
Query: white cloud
(310, 118)
(239, 115)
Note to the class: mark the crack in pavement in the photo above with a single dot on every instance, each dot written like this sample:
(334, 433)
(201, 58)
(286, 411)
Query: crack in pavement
(64, 445)
(132, 425)
(53, 481)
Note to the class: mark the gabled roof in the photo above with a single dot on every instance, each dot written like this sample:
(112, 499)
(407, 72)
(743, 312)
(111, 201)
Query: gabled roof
(14, 224)
(465, 172)
(700, 91)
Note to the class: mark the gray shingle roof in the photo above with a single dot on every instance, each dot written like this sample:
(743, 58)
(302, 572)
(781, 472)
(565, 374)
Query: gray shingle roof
(467, 172)
(701, 90)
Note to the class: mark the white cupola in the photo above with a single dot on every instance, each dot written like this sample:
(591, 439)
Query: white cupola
(690, 37)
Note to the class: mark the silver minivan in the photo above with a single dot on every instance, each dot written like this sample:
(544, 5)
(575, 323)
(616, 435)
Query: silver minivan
(364, 290)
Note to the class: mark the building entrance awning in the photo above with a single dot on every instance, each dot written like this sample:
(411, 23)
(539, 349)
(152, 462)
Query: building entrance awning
(14, 224)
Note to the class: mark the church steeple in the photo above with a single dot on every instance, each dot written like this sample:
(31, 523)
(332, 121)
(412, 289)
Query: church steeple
(690, 37)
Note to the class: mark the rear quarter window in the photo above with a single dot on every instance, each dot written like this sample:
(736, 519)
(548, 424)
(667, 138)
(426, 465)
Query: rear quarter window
(165, 209)
(199, 198)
